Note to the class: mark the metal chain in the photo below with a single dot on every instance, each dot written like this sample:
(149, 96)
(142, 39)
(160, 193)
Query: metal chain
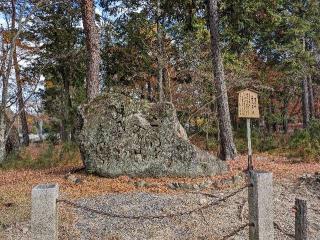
(277, 226)
(115, 215)
(236, 231)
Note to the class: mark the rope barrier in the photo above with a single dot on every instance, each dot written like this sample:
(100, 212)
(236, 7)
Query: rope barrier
(150, 217)
(277, 226)
(315, 210)
(236, 231)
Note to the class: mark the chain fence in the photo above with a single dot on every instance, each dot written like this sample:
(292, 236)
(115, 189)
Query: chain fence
(177, 214)
(277, 227)
(150, 217)
(170, 215)
(260, 204)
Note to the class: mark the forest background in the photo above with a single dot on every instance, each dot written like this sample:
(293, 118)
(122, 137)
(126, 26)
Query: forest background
(162, 51)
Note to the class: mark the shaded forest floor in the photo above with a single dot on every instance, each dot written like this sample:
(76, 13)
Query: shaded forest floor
(16, 185)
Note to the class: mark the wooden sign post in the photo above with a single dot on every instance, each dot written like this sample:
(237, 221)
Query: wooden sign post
(248, 107)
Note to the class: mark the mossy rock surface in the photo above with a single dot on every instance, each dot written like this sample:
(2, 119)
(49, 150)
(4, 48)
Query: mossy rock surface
(121, 135)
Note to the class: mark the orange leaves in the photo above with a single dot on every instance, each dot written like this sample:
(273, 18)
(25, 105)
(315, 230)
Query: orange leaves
(49, 84)
(8, 35)
(282, 167)
(16, 185)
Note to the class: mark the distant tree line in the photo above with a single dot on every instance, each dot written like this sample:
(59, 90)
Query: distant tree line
(196, 54)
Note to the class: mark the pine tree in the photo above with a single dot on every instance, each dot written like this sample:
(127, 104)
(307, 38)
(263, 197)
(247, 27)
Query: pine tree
(61, 60)
(228, 148)
(93, 49)
(22, 112)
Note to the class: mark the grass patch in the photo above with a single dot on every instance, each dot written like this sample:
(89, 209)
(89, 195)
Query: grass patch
(42, 156)
(305, 143)
(302, 145)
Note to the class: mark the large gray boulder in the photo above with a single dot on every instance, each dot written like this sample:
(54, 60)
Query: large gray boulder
(121, 135)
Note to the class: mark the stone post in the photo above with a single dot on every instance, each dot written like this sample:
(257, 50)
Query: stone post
(44, 218)
(261, 206)
(301, 221)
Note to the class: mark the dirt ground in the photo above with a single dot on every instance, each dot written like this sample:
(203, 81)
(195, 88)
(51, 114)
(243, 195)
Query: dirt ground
(126, 195)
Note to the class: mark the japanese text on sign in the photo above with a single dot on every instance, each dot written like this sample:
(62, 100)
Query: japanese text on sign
(248, 106)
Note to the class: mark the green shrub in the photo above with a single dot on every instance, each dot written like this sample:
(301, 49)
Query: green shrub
(241, 144)
(261, 141)
(17, 160)
(314, 130)
(68, 153)
(45, 159)
(52, 138)
(50, 155)
(267, 143)
(213, 144)
(305, 143)
(299, 138)
(23, 160)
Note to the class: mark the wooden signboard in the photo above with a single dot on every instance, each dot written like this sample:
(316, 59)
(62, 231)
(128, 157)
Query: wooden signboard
(248, 106)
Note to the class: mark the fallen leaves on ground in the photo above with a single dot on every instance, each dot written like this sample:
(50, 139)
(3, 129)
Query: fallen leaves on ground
(16, 185)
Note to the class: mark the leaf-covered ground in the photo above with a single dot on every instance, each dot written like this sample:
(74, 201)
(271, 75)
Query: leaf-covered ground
(16, 185)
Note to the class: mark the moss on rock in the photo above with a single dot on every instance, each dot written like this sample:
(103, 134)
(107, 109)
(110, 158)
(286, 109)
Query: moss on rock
(125, 136)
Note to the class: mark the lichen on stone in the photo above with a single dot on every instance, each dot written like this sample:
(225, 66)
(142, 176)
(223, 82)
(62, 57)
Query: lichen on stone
(122, 135)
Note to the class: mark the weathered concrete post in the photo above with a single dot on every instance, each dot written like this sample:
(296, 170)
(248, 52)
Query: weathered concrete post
(261, 206)
(44, 219)
(301, 223)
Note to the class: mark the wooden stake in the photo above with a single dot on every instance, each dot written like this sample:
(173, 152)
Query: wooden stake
(301, 223)
(250, 166)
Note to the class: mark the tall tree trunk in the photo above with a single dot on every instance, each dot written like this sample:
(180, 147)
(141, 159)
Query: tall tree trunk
(2, 137)
(305, 102)
(93, 49)
(285, 115)
(228, 148)
(65, 122)
(270, 122)
(160, 53)
(63, 132)
(305, 93)
(3, 108)
(39, 125)
(65, 75)
(207, 130)
(169, 86)
(12, 137)
(4, 75)
(22, 112)
(311, 98)
(150, 94)
(142, 88)
(262, 123)
(273, 112)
